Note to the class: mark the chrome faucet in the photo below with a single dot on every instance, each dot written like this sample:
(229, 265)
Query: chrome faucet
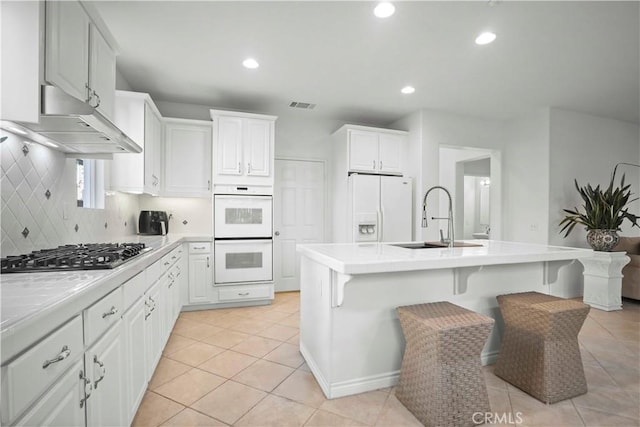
(449, 239)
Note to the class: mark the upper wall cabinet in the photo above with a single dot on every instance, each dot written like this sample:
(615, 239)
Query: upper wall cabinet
(78, 59)
(138, 117)
(244, 149)
(187, 153)
(371, 150)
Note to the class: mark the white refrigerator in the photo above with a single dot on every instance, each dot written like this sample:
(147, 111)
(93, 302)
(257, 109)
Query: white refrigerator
(379, 208)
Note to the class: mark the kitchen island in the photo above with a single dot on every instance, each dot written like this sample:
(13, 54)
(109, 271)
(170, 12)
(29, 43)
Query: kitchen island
(350, 335)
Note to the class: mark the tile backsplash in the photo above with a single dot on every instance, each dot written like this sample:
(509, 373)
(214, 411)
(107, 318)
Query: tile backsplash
(26, 180)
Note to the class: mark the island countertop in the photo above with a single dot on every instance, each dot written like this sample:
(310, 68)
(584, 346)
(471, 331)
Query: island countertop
(367, 258)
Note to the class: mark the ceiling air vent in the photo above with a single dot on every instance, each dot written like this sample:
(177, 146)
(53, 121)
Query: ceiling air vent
(302, 105)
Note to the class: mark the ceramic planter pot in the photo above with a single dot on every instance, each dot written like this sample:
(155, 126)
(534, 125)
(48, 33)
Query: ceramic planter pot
(602, 240)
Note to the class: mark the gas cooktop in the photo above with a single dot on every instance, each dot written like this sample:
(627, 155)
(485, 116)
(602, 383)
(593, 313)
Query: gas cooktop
(93, 256)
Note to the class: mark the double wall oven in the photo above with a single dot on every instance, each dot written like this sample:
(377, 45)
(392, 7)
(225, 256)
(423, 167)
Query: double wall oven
(243, 245)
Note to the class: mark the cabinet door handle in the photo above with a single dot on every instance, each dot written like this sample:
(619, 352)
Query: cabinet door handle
(207, 262)
(209, 185)
(239, 168)
(243, 294)
(374, 165)
(102, 368)
(199, 248)
(380, 164)
(86, 388)
(111, 312)
(88, 93)
(98, 98)
(64, 353)
(249, 167)
(167, 263)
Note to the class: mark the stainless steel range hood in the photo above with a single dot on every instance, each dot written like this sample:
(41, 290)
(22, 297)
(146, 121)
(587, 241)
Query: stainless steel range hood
(76, 127)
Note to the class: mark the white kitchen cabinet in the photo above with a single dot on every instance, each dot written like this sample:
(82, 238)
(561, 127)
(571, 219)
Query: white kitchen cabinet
(33, 372)
(244, 148)
(60, 406)
(376, 151)
(137, 116)
(105, 368)
(153, 327)
(200, 273)
(136, 356)
(153, 159)
(187, 148)
(79, 60)
(369, 150)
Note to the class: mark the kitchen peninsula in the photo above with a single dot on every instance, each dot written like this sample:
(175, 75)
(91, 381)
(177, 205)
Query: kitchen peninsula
(350, 334)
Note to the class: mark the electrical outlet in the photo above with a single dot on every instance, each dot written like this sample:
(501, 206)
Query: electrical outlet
(533, 226)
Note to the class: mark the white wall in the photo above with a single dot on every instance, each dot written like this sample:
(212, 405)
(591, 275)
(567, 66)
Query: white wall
(51, 221)
(526, 179)
(188, 215)
(587, 148)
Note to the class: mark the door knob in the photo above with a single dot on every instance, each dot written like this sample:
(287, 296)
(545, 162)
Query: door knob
(277, 233)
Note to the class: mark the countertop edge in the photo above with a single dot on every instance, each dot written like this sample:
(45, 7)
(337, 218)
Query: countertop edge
(13, 338)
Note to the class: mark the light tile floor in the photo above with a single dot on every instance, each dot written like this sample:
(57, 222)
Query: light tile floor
(241, 366)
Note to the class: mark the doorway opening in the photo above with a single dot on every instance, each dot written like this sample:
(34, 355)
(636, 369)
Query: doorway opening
(473, 176)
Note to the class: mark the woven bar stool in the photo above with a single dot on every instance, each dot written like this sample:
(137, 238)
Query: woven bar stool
(539, 353)
(441, 381)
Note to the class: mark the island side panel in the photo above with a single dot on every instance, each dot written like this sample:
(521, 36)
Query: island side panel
(367, 342)
(315, 319)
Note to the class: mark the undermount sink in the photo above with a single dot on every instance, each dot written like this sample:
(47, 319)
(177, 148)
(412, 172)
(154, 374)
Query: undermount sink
(434, 245)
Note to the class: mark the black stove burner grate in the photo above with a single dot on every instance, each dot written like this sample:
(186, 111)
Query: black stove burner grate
(93, 256)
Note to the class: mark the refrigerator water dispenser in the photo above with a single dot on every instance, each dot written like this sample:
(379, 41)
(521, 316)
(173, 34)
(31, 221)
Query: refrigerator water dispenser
(366, 227)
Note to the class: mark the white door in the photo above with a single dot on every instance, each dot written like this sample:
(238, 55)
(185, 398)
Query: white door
(299, 216)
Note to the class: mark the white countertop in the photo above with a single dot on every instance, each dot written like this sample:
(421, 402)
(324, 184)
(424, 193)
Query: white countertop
(27, 297)
(367, 258)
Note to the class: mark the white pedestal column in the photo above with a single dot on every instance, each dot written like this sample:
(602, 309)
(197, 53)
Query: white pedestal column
(603, 280)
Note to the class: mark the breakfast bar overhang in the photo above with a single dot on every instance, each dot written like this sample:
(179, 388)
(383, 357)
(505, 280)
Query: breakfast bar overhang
(350, 335)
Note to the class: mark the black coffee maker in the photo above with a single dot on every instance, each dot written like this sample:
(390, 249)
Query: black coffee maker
(153, 223)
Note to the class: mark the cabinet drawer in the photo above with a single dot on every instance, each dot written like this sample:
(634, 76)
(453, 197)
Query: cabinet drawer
(30, 374)
(133, 289)
(102, 314)
(240, 293)
(153, 272)
(176, 254)
(165, 263)
(200, 248)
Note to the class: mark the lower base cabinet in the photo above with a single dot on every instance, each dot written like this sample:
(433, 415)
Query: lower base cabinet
(136, 356)
(105, 368)
(60, 406)
(153, 328)
(200, 273)
(102, 382)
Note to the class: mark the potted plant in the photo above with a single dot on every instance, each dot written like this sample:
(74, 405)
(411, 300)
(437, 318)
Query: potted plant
(604, 211)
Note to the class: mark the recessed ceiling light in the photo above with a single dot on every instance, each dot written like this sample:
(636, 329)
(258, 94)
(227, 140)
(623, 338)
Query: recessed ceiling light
(250, 63)
(408, 89)
(485, 38)
(384, 9)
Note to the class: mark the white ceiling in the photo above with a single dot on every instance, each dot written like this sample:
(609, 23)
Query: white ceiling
(582, 56)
